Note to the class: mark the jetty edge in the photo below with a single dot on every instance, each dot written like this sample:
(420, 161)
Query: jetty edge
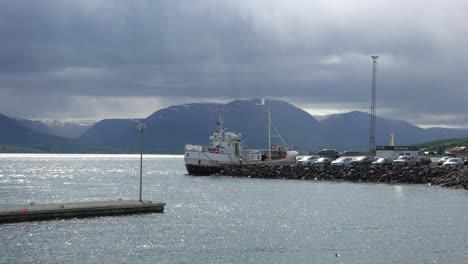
(39, 212)
(456, 178)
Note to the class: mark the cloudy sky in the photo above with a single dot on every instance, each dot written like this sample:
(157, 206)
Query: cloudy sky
(94, 59)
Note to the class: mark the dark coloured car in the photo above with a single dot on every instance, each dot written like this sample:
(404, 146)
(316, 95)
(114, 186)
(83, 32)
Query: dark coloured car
(331, 153)
(423, 160)
(466, 160)
(363, 160)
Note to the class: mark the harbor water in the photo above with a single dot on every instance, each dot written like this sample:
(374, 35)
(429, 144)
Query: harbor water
(224, 219)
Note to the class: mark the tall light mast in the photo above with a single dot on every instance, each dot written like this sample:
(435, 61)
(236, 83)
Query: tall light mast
(373, 106)
(269, 128)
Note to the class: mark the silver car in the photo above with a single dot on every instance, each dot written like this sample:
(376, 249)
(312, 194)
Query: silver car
(307, 160)
(442, 160)
(323, 161)
(405, 161)
(342, 161)
(383, 162)
(454, 162)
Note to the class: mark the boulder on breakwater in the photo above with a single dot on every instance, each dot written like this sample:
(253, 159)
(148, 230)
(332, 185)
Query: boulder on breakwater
(441, 176)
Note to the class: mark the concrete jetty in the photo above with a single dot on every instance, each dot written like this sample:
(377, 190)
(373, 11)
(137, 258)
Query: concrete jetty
(33, 212)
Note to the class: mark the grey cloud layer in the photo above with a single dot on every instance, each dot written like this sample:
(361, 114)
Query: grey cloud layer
(308, 52)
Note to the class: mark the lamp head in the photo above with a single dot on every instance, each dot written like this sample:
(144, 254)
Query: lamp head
(141, 127)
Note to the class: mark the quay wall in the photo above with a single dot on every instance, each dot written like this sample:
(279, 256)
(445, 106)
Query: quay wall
(440, 176)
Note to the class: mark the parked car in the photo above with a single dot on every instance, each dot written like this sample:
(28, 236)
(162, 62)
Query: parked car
(423, 160)
(454, 162)
(323, 161)
(342, 161)
(405, 161)
(442, 160)
(363, 160)
(331, 153)
(466, 160)
(383, 162)
(307, 160)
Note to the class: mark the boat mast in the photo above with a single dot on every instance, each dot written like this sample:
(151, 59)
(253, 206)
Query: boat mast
(262, 103)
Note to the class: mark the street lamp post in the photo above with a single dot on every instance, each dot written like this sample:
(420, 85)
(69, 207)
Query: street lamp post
(141, 127)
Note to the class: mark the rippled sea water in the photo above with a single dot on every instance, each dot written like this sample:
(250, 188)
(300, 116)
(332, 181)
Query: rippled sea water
(225, 220)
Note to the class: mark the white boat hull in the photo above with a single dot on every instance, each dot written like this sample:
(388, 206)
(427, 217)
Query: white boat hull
(207, 163)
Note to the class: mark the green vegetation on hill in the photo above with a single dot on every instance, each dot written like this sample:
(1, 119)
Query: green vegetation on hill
(440, 146)
(21, 149)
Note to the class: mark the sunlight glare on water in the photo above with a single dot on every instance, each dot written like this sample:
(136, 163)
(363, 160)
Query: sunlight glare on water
(224, 219)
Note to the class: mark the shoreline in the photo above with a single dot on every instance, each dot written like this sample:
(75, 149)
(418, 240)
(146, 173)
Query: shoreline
(456, 178)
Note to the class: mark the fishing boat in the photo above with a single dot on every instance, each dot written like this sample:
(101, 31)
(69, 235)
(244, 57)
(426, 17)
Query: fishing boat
(225, 149)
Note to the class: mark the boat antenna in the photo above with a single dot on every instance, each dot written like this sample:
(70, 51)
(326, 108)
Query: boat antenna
(220, 123)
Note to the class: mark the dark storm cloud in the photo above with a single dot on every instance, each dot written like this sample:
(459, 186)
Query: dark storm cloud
(311, 53)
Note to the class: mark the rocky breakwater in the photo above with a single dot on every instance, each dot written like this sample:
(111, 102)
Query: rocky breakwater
(446, 177)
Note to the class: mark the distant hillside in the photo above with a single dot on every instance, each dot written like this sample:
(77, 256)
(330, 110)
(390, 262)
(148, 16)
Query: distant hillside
(112, 134)
(351, 131)
(296, 126)
(58, 128)
(14, 137)
(169, 129)
(442, 145)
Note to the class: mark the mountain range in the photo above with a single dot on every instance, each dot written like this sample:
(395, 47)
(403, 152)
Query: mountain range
(16, 137)
(66, 129)
(169, 129)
